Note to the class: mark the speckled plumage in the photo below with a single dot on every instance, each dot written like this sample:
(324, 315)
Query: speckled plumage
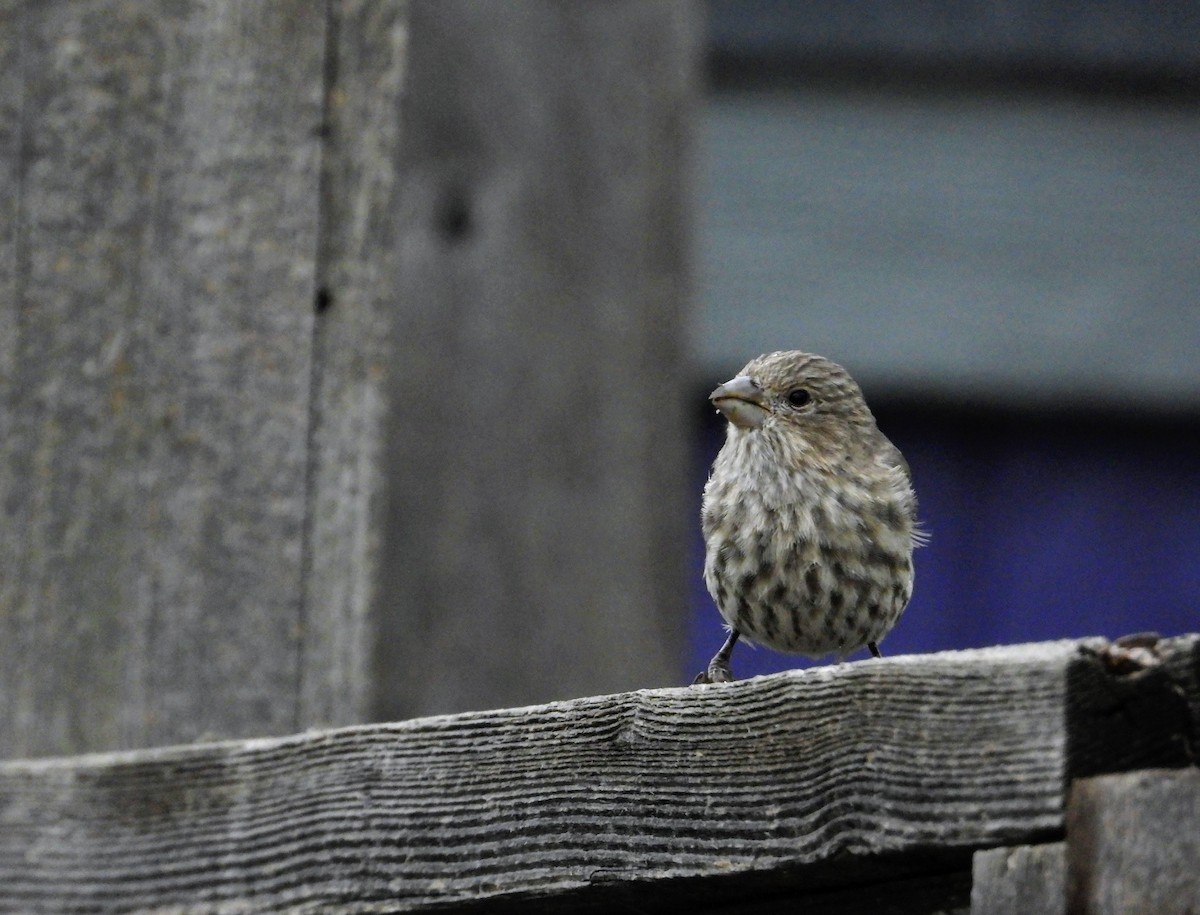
(809, 513)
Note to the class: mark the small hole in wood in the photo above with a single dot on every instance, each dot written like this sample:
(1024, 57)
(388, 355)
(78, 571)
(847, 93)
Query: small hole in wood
(324, 300)
(454, 217)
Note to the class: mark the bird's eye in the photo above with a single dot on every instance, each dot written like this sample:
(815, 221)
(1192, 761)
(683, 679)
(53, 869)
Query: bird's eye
(799, 397)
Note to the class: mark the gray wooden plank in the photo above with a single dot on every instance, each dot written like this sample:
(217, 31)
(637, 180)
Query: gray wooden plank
(1021, 880)
(1133, 844)
(355, 352)
(535, 543)
(231, 277)
(10, 188)
(803, 781)
(159, 365)
(10, 241)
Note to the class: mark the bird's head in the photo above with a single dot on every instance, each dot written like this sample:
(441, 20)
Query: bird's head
(792, 391)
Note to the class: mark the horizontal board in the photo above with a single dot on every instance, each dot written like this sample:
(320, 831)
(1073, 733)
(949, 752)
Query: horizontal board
(801, 780)
(1100, 41)
(981, 248)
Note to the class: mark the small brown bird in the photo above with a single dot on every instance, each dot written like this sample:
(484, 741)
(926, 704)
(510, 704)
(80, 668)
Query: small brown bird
(809, 514)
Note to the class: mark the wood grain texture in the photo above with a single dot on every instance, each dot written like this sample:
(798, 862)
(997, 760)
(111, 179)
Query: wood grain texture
(10, 244)
(535, 548)
(1133, 844)
(158, 356)
(355, 351)
(498, 418)
(312, 373)
(1026, 880)
(807, 780)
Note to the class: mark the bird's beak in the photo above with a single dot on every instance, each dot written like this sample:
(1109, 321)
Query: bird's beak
(742, 401)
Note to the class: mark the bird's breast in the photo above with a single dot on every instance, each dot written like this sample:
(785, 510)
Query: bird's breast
(806, 559)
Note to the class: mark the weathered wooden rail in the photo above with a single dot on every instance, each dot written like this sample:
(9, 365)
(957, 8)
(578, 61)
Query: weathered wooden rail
(256, 252)
(842, 786)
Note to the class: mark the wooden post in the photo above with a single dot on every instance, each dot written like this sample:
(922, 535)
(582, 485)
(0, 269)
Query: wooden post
(1133, 844)
(158, 342)
(1015, 881)
(319, 407)
(537, 549)
(1130, 839)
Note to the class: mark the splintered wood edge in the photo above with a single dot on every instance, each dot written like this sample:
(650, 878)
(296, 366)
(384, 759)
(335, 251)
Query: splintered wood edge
(819, 776)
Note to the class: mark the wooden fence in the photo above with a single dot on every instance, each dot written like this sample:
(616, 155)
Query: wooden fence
(341, 380)
(331, 331)
(866, 787)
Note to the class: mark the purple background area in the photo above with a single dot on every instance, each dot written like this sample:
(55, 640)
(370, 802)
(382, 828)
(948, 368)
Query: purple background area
(1042, 527)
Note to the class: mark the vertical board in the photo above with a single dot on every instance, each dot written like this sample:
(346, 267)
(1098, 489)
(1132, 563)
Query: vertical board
(1012, 881)
(355, 354)
(157, 363)
(537, 521)
(321, 403)
(1133, 844)
(10, 196)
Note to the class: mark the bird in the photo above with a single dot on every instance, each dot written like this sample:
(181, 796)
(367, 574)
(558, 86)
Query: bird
(809, 514)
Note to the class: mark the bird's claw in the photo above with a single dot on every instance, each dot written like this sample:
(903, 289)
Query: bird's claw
(716, 673)
(719, 670)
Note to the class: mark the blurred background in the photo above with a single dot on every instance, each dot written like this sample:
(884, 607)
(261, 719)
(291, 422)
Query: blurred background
(990, 214)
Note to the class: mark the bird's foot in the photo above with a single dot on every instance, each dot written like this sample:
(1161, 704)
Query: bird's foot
(716, 673)
(719, 670)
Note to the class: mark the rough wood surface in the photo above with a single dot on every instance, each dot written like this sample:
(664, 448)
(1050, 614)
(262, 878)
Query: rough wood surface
(157, 357)
(302, 387)
(1133, 844)
(810, 780)
(1026, 880)
(354, 354)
